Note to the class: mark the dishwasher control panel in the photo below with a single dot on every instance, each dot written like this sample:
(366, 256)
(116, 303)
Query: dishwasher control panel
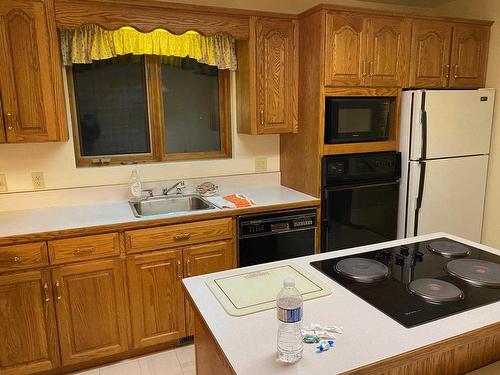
(277, 222)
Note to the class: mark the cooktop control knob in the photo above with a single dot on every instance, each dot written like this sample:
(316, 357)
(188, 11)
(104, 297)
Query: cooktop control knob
(400, 260)
(419, 256)
(404, 250)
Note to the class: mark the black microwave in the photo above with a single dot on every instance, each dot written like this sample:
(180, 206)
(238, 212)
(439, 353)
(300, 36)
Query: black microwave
(357, 119)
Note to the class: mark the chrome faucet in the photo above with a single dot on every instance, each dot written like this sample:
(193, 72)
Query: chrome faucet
(178, 186)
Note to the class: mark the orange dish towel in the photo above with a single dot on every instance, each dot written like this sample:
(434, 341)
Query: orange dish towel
(239, 200)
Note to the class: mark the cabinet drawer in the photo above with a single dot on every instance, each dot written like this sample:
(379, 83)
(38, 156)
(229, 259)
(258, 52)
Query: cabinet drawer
(84, 248)
(17, 257)
(178, 235)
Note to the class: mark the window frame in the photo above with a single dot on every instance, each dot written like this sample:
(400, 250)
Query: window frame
(156, 123)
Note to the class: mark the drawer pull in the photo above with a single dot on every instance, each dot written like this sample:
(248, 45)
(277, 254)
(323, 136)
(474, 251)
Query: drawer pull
(46, 292)
(16, 259)
(10, 126)
(58, 292)
(179, 270)
(84, 250)
(182, 236)
(456, 71)
(188, 267)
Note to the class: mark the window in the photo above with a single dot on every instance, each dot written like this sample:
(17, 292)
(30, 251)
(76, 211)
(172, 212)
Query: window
(132, 109)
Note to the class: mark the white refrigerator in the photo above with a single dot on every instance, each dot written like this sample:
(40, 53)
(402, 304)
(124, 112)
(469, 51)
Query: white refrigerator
(444, 142)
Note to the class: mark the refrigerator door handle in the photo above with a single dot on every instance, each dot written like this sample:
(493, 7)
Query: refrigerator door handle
(420, 196)
(423, 122)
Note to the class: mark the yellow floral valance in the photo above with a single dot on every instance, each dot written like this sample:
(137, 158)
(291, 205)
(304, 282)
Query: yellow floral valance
(91, 42)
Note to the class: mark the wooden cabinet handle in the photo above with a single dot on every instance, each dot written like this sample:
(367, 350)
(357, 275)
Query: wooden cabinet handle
(46, 292)
(84, 250)
(456, 71)
(58, 292)
(188, 267)
(182, 236)
(261, 117)
(446, 70)
(179, 270)
(10, 126)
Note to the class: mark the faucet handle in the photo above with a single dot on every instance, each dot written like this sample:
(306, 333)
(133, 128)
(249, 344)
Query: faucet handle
(180, 186)
(148, 193)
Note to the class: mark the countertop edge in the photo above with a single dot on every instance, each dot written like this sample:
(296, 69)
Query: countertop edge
(147, 223)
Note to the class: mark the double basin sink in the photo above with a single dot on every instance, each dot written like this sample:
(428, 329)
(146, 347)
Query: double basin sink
(163, 205)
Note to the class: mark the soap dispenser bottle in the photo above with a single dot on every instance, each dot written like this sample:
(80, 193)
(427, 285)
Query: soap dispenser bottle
(135, 186)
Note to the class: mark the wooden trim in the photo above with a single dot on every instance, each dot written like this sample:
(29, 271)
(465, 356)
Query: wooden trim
(361, 91)
(146, 16)
(352, 148)
(385, 13)
(67, 233)
(453, 356)
(155, 105)
(3, 136)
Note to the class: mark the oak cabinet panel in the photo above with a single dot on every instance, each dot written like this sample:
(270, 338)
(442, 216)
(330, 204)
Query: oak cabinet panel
(469, 56)
(30, 73)
(345, 49)
(387, 52)
(203, 259)
(27, 323)
(430, 53)
(90, 306)
(156, 298)
(267, 77)
(365, 51)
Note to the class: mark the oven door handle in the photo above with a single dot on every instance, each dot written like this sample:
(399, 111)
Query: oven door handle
(356, 187)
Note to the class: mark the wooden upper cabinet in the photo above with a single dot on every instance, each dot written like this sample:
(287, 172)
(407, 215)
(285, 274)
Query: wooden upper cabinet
(156, 298)
(202, 259)
(469, 53)
(387, 52)
(345, 49)
(430, 54)
(27, 323)
(267, 76)
(30, 72)
(363, 50)
(90, 306)
(277, 70)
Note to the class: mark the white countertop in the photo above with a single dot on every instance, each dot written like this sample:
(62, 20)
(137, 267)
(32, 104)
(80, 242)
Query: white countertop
(249, 342)
(49, 219)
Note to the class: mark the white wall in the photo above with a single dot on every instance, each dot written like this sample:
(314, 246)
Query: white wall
(57, 162)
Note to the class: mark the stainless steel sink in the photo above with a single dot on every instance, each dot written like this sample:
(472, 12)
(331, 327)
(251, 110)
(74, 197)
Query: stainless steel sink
(169, 204)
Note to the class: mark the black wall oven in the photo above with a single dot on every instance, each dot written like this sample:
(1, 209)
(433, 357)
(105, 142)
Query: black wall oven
(357, 119)
(359, 199)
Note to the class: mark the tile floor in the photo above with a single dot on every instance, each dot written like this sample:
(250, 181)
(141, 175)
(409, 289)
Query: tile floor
(178, 361)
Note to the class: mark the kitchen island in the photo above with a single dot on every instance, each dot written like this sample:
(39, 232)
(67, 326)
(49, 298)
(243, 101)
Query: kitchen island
(372, 342)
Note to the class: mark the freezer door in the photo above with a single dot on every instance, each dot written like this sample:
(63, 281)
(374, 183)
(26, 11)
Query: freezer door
(452, 123)
(451, 193)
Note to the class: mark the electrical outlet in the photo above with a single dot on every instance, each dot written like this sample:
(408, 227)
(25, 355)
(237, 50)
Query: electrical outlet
(3, 183)
(261, 164)
(38, 180)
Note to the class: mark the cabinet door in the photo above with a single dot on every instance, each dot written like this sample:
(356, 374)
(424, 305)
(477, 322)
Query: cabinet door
(90, 306)
(345, 50)
(469, 53)
(430, 54)
(27, 323)
(156, 299)
(30, 72)
(277, 75)
(203, 259)
(386, 52)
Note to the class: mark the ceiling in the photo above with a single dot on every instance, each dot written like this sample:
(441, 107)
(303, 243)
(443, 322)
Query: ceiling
(414, 3)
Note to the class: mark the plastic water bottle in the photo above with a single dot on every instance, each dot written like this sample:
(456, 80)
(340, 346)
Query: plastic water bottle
(289, 310)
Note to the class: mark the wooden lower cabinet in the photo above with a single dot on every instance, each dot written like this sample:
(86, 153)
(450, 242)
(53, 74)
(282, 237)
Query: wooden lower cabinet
(28, 342)
(156, 298)
(90, 306)
(203, 259)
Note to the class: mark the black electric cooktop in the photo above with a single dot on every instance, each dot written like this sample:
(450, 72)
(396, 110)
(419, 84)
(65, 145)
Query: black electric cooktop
(419, 282)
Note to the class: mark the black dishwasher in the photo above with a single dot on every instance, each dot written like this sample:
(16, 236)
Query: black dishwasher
(276, 236)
